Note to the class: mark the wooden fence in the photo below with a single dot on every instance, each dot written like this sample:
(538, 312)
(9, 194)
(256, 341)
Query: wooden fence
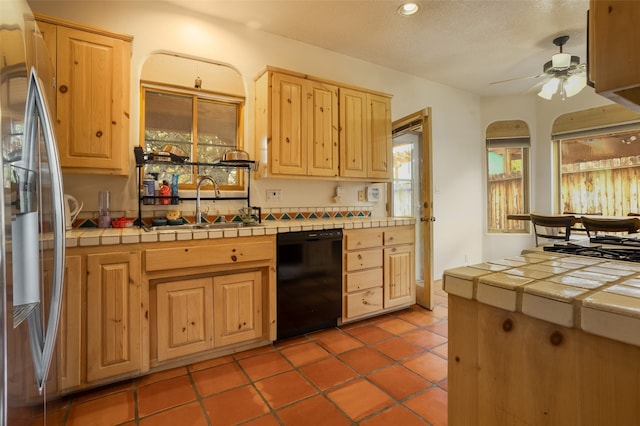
(612, 192)
(506, 196)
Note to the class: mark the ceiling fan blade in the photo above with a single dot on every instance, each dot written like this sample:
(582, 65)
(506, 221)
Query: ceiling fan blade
(518, 78)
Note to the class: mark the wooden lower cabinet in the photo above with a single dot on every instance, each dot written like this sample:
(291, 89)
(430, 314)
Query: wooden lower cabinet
(200, 314)
(237, 301)
(379, 265)
(114, 315)
(69, 339)
(399, 273)
(184, 317)
(156, 306)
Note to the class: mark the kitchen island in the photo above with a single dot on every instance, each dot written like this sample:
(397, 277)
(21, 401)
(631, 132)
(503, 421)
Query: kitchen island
(544, 338)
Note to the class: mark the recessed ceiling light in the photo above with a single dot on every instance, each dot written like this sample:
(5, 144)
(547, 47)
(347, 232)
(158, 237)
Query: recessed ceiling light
(408, 9)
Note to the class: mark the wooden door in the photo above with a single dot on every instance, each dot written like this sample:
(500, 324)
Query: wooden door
(114, 300)
(353, 133)
(399, 273)
(238, 308)
(289, 125)
(323, 135)
(420, 123)
(379, 136)
(93, 101)
(184, 317)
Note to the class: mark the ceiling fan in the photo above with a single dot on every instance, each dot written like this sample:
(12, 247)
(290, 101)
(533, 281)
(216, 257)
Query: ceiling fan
(567, 76)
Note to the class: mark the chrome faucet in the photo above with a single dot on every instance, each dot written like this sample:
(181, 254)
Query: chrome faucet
(201, 179)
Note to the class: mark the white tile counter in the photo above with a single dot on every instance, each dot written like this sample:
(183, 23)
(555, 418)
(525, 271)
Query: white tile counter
(599, 296)
(84, 237)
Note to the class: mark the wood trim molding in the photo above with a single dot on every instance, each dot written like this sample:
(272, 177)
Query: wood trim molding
(591, 118)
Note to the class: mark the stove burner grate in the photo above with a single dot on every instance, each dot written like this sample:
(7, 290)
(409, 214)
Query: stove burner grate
(616, 240)
(624, 254)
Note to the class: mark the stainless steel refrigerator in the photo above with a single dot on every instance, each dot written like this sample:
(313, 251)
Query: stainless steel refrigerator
(32, 227)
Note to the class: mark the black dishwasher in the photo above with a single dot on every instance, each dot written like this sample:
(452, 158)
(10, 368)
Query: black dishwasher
(309, 281)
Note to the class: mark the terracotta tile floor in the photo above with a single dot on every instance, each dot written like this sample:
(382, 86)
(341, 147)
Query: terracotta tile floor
(389, 370)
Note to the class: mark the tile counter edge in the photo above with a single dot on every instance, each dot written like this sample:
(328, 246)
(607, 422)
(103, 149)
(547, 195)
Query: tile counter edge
(87, 237)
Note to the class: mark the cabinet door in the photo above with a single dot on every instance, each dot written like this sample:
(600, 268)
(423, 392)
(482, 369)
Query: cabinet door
(114, 301)
(69, 339)
(379, 137)
(399, 281)
(93, 101)
(353, 133)
(184, 317)
(237, 307)
(323, 120)
(49, 34)
(289, 125)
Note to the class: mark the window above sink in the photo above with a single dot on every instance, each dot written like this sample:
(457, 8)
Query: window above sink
(192, 107)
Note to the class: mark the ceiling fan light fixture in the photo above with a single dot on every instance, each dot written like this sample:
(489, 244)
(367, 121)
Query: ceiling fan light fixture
(561, 61)
(408, 9)
(549, 88)
(574, 84)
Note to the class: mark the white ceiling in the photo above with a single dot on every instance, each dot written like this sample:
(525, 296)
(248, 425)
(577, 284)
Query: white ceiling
(460, 43)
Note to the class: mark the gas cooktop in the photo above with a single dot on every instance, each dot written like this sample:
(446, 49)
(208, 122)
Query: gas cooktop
(604, 247)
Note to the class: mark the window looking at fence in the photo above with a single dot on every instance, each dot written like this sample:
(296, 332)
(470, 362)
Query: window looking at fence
(203, 125)
(507, 175)
(600, 174)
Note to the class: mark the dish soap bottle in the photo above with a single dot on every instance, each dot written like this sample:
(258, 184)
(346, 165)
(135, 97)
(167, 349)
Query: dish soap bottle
(165, 192)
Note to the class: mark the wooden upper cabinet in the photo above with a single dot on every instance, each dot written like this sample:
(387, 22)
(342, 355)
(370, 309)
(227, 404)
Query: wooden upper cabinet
(304, 139)
(323, 131)
(310, 127)
(353, 133)
(379, 136)
(365, 134)
(92, 96)
(614, 59)
(288, 144)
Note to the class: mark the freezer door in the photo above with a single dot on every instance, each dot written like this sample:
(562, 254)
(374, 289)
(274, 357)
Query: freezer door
(37, 228)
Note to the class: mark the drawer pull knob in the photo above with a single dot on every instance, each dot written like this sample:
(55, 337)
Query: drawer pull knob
(507, 325)
(234, 258)
(63, 89)
(99, 134)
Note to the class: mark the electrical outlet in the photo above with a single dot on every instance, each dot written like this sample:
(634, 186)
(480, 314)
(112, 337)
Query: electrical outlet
(361, 195)
(274, 195)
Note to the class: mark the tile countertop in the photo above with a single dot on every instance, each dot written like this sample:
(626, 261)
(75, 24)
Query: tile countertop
(86, 237)
(599, 296)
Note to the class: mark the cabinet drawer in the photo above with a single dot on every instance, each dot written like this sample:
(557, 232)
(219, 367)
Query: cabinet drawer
(364, 279)
(364, 302)
(361, 239)
(364, 260)
(404, 235)
(209, 255)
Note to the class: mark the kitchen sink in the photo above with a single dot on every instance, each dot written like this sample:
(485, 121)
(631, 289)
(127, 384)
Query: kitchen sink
(205, 226)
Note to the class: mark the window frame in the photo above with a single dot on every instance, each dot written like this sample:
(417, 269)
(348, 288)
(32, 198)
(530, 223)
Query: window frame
(523, 143)
(609, 209)
(196, 96)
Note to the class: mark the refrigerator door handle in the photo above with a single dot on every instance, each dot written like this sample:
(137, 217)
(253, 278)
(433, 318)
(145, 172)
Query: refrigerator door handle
(43, 338)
